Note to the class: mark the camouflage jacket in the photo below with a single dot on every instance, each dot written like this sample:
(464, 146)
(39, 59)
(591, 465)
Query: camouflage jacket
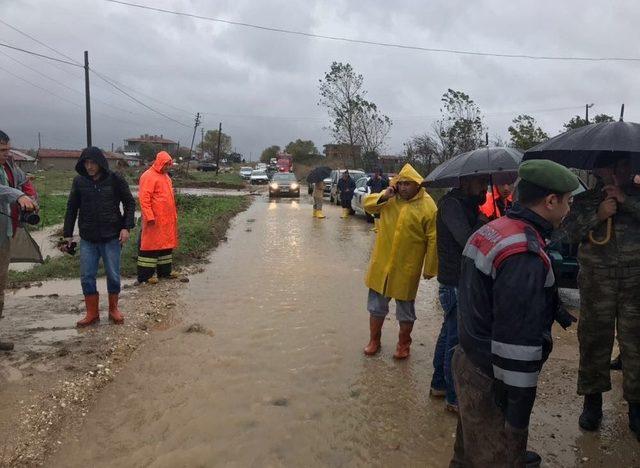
(624, 247)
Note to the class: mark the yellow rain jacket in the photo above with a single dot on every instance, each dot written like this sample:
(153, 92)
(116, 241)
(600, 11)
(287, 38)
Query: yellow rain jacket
(406, 241)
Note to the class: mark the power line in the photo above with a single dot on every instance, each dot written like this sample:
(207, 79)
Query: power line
(380, 44)
(2, 44)
(133, 98)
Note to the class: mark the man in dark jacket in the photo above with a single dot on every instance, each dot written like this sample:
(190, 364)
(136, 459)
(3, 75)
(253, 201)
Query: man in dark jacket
(507, 305)
(346, 186)
(377, 184)
(96, 195)
(458, 217)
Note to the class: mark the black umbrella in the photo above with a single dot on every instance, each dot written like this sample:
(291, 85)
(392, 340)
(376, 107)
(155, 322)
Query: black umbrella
(501, 163)
(591, 146)
(318, 174)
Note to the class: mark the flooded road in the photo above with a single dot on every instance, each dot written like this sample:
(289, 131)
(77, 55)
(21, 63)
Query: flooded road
(279, 378)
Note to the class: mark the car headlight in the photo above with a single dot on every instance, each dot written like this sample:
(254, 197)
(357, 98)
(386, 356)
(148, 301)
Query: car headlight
(274, 186)
(294, 186)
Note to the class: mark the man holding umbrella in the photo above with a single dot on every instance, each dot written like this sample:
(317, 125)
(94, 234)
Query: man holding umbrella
(606, 222)
(315, 179)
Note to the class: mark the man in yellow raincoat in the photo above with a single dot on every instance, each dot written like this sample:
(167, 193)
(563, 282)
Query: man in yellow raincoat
(405, 247)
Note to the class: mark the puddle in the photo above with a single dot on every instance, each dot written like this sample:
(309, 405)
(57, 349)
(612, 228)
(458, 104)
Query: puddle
(62, 287)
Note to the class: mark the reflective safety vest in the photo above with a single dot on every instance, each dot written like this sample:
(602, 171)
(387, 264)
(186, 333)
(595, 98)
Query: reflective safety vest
(496, 241)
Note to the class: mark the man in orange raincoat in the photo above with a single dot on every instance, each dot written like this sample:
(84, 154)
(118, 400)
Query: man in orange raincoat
(498, 201)
(159, 221)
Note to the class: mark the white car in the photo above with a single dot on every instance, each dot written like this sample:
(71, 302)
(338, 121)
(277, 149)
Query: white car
(245, 173)
(361, 191)
(259, 178)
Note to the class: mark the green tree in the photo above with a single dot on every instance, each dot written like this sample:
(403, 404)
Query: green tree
(269, 153)
(461, 127)
(525, 133)
(577, 121)
(210, 143)
(421, 151)
(602, 118)
(148, 151)
(300, 148)
(354, 120)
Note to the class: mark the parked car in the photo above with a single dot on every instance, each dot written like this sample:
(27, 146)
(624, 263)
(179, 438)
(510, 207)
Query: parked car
(284, 184)
(245, 173)
(334, 195)
(207, 166)
(259, 178)
(361, 191)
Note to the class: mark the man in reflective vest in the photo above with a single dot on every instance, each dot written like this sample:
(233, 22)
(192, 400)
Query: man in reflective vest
(498, 201)
(507, 305)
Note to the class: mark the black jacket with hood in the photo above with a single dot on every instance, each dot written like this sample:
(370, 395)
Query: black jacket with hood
(98, 201)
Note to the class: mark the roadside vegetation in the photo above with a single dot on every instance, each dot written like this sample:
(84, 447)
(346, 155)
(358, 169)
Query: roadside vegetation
(202, 223)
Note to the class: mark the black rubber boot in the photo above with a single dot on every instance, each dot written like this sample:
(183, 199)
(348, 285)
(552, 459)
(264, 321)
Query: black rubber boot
(591, 412)
(634, 419)
(532, 459)
(616, 364)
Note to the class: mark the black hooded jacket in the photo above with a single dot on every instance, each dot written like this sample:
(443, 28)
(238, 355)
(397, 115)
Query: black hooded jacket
(98, 202)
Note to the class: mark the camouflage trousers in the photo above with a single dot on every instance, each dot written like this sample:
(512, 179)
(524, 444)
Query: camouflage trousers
(609, 302)
(483, 437)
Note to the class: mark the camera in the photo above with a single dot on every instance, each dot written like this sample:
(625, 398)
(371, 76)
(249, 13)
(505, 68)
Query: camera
(29, 217)
(67, 247)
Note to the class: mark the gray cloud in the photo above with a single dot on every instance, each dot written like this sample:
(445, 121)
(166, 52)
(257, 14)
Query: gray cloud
(264, 86)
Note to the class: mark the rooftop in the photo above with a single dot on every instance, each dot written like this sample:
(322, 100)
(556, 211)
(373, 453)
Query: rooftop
(152, 139)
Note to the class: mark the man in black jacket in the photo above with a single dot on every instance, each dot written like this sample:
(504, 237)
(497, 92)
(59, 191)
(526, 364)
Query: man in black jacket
(507, 305)
(96, 195)
(458, 217)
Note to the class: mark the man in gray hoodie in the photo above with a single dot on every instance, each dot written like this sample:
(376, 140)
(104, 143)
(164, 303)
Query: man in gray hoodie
(13, 184)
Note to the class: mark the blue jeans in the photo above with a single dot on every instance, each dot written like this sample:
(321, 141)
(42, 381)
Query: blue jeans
(90, 254)
(447, 340)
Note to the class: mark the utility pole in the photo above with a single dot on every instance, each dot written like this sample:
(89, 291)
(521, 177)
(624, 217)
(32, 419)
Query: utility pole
(586, 112)
(39, 141)
(202, 141)
(195, 127)
(87, 96)
(112, 147)
(218, 155)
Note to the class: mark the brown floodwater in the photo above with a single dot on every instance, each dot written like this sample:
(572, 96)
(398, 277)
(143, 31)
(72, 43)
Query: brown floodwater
(280, 379)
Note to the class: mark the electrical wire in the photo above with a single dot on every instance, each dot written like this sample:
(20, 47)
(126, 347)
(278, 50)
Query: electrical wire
(380, 44)
(2, 44)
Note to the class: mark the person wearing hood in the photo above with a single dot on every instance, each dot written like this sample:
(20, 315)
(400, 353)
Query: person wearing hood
(159, 234)
(507, 306)
(405, 248)
(16, 193)
(458, 217)
(95, 198)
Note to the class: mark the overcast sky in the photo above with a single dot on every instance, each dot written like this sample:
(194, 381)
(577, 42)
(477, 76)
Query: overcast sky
(263, 86)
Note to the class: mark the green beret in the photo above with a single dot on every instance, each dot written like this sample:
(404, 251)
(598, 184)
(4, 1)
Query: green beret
(549, 175)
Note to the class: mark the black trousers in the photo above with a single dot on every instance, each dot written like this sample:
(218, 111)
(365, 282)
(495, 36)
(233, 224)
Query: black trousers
(150, 261)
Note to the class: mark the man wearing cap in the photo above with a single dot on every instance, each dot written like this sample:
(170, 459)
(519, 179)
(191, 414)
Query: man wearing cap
(95, 198)
(405, 248)
(507, 305)
(605, 222)
(159, 234)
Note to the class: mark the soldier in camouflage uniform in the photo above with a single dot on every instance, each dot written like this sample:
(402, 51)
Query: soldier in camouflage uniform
(609, 282)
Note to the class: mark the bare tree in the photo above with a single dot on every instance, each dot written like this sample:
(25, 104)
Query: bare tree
(355, 121)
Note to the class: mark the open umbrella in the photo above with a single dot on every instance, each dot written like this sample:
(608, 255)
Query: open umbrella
(318, 174)
(502, 163)
(591, 146)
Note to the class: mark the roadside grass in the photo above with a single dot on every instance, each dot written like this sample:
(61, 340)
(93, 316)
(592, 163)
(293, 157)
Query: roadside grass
(202, 223)
(52, 209)
(199, 179)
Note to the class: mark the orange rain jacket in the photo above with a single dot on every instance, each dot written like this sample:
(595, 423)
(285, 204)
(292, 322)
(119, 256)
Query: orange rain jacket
(158, 204)
(491, 210)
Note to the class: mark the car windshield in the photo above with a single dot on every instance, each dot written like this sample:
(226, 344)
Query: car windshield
(245, 169)
(284, 178)
(258, 173)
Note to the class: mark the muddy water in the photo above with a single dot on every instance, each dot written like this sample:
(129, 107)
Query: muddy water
(280, 379)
